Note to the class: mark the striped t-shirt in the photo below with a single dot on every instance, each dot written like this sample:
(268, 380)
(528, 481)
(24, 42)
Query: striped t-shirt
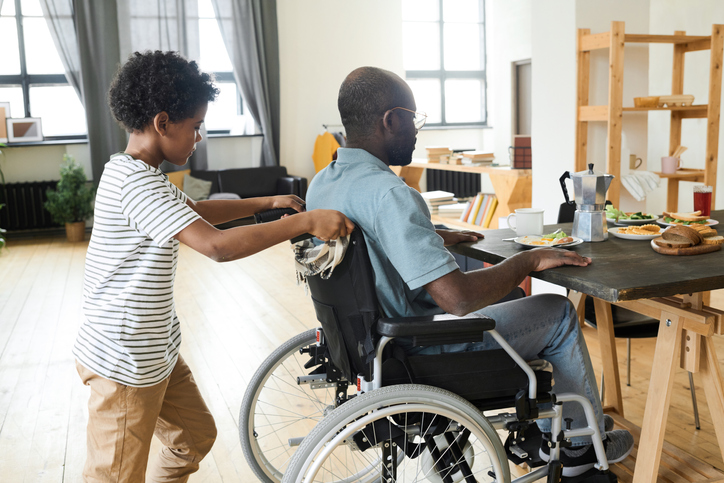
(130, 333)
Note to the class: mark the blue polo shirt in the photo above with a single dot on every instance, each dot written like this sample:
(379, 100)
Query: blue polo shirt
(405, 251)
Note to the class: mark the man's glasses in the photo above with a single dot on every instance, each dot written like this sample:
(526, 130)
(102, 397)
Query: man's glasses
(418, 119)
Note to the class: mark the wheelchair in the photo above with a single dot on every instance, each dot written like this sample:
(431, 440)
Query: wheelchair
(346, 403)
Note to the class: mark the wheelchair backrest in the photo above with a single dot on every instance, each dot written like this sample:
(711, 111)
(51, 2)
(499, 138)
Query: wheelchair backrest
(346, 306)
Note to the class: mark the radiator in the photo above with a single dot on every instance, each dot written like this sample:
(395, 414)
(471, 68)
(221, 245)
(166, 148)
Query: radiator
(23, 208)
(462, 184)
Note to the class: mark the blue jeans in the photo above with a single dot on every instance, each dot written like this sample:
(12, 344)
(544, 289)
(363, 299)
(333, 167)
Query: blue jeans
(544, 327)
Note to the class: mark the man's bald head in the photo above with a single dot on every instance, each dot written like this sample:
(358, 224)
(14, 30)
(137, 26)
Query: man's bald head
(366, 94)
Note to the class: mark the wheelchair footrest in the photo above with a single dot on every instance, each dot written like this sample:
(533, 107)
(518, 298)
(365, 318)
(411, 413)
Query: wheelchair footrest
(525, 449)
(592, 476)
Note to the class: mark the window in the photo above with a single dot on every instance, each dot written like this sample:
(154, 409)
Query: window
(32, 77)
(33, 80)
(444, 59)
(226, 115)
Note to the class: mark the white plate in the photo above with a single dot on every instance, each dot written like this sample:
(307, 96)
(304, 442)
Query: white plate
(709, 222)
(628, 236)
(632, 222)
(526, 241)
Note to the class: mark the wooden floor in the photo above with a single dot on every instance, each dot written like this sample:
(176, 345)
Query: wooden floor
(233, 315)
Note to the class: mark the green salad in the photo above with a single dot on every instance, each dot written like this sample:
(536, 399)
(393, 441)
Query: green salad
(683, 222)
(555, 236)
(612, 212)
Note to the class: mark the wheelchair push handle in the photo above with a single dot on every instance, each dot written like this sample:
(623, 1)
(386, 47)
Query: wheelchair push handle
(276, 214)
(273, 214)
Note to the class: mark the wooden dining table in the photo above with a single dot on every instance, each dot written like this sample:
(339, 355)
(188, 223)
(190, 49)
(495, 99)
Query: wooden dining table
(673, 289)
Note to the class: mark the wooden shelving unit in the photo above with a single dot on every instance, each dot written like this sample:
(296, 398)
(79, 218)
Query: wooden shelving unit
(612, 113)
(513, 187)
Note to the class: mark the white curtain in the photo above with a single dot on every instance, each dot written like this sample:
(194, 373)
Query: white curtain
(249, 29)
(61, 23)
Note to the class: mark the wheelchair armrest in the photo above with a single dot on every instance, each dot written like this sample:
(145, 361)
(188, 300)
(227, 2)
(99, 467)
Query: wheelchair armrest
(436, 329)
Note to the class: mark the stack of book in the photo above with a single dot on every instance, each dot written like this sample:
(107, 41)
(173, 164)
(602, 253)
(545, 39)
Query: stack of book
(477, 158)
(453, 210)
(480, 210)
(437, 199)
(434, 153)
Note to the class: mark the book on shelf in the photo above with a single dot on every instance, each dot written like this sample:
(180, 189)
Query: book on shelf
(477, 158)
(436, 154)
(453, 210)
(475, 208)
(490, 212)
(481, 212)
(468, 208)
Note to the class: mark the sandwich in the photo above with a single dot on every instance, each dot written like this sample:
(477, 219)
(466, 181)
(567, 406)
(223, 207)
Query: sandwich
(685, 218)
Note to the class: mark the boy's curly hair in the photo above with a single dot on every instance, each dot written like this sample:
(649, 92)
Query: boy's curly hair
(151, 82)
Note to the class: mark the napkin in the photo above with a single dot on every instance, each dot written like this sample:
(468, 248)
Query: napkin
(639, 184)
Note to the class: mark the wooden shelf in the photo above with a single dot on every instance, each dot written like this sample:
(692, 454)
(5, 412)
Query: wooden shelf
(513, 187)
(696, 175)
(498, 170)
(455, 223)
(600, 113)
(612, 112)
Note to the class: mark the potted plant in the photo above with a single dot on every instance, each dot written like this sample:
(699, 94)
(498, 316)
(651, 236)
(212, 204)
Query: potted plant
(71, 202)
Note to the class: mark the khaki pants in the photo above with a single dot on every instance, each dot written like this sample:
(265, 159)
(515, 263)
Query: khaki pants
(123, 419)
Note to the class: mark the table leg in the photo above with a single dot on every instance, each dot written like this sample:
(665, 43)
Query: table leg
(709, 370)
(579, 302)
(607, 342)
(666, 360)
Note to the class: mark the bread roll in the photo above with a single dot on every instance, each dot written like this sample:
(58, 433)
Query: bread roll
(682, 233)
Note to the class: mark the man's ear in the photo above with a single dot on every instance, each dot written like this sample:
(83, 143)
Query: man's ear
(161, 122)
(389, 124)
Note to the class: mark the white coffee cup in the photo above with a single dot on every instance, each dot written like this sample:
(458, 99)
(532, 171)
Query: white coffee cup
(528, 221)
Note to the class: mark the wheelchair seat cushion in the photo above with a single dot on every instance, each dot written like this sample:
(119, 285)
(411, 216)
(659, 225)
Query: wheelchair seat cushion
(490, 379)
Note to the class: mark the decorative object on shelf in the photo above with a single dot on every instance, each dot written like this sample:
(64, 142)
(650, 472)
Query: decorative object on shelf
(4, 114)
(520, 153)
(72, 202)
(678, 100)
(24, 130)
(650, 101)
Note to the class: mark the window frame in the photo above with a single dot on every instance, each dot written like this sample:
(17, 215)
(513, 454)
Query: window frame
(25, 80)
(442, 75)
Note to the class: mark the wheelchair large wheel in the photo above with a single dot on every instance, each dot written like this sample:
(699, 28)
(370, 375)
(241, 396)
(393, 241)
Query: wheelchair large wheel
(406, 433)
(276, 412)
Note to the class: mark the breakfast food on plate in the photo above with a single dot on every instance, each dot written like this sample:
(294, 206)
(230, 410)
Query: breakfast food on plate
(619, 215)
(553, 239)
(647, 230)
(685, 218)
(561, 241)
(681, 233)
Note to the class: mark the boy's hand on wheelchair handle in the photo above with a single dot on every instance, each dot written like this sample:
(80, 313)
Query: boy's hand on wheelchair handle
(288, 201)
(549, 257)
(329, 224)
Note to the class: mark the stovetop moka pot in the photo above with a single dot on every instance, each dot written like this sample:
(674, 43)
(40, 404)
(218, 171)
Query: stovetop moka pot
(589, 189)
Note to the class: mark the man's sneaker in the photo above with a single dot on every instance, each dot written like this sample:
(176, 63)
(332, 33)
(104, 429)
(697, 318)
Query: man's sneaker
(607, 423)
(576, 461)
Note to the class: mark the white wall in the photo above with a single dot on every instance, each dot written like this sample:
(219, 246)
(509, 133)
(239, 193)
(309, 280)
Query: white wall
(695, 17)
(320, 42)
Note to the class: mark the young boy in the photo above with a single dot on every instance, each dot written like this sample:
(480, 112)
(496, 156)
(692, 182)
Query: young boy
(127, 349)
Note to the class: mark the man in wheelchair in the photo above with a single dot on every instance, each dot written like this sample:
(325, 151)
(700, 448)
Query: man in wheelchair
(415, 275)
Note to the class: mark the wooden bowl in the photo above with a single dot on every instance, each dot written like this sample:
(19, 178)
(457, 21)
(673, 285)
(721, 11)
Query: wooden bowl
(652, 101)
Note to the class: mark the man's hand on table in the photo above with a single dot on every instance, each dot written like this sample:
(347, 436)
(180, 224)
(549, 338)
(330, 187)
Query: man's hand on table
(548, 257)
(453, 237)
